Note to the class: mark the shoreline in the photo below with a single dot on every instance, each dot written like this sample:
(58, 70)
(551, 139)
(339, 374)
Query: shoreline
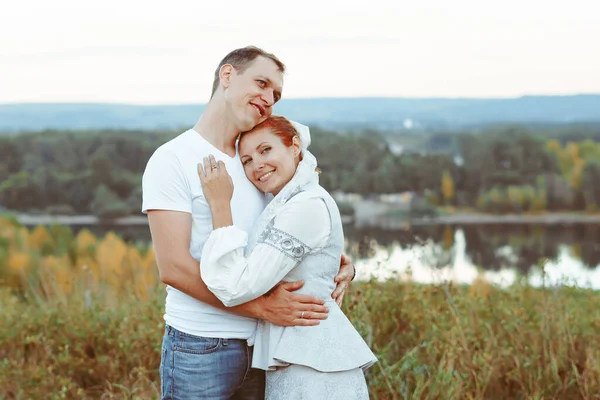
(33, 220)
(383, 221)
(547, 219)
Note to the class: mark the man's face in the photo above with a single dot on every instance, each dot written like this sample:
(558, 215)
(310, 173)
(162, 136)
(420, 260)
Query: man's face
(252, 94)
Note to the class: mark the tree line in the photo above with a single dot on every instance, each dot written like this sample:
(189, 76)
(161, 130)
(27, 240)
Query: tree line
(511, 169)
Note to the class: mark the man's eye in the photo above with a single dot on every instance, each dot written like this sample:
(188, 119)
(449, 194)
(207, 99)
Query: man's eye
(261, 83)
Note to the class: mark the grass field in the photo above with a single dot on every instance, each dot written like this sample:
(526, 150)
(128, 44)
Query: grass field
(81, 317)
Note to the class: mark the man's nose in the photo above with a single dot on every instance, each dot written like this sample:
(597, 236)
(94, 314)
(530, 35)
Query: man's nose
(269, 98)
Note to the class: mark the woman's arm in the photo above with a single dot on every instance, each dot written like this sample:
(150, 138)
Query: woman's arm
(302, 226)
(217, 187)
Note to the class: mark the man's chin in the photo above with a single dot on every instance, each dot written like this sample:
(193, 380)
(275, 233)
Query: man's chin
(261, 119)
(251, 123)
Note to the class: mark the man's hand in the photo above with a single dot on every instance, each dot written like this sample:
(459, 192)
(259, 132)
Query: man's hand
(284, 308)
(343, 279)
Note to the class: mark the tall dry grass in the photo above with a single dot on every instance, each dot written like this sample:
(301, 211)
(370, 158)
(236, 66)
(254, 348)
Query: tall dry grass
(82, 318)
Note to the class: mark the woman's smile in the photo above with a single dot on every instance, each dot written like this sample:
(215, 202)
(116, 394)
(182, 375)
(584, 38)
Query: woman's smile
(268, 162)
(266, 176)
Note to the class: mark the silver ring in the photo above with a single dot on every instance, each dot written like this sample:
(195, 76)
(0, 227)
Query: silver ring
(302, 316)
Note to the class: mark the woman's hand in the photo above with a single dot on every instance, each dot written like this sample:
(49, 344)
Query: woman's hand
(218, 190)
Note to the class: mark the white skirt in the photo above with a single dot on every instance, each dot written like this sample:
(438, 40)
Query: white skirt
(297, 382)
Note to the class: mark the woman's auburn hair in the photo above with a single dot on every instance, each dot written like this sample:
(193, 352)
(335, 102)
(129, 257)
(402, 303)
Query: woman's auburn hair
(280, 126)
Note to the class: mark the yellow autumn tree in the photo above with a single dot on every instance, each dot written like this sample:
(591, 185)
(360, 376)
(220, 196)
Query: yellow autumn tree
(554, 147)
(576, 174)
(89, 268)
(39, 239)
(570, 162)
(85, 242)
(18, 261)
(58, 276)
(134, 265)
(18, 239)
(448, 238)
(111, 257)
(149, 260)
(447, 187)
(149, 271)
(576, 251)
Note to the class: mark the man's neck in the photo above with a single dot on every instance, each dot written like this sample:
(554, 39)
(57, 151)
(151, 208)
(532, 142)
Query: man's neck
(217, 129)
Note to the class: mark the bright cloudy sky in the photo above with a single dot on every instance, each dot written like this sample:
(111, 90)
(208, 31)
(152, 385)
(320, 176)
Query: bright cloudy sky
(148, 52)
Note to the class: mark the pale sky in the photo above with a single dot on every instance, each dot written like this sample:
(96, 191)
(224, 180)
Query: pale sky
(149, 52)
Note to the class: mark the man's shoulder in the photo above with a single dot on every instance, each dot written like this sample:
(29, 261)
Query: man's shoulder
(174, 148)
(179, 142)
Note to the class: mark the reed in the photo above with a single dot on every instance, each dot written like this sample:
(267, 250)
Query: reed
(81, 318)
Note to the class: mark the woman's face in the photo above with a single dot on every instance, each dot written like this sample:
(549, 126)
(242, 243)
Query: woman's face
(269, 164)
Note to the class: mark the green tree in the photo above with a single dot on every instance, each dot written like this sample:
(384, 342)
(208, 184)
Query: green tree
(107, 205)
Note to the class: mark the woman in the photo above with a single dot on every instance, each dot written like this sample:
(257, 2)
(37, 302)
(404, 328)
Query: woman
(298, 237)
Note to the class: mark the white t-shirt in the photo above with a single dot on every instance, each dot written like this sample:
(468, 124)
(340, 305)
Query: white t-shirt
(171, 182)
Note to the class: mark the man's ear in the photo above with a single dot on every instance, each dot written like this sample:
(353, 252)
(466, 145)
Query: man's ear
(225, 75)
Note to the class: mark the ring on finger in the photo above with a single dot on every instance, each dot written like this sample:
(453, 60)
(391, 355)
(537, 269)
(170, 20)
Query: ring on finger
(302, 315)
(214, 167)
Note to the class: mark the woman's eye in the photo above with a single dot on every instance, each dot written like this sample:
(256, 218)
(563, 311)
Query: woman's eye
(246, 161)
(266, 149)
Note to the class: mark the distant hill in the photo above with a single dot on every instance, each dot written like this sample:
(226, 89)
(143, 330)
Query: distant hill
(338, 113)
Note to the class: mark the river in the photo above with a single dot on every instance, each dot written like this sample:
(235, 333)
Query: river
(500, 253)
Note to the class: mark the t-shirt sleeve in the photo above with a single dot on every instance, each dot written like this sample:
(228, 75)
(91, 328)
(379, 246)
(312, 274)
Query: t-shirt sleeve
(164, 184)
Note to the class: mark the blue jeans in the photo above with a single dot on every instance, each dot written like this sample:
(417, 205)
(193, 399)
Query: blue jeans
(193, 367)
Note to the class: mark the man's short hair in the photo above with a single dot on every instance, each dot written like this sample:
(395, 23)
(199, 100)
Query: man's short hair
(241, 59)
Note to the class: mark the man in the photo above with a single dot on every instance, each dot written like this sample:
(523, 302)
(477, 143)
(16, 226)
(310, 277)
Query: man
(205, 352)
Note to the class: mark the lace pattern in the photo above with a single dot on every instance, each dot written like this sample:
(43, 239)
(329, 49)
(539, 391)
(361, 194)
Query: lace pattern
(285, 243)
(298, 382)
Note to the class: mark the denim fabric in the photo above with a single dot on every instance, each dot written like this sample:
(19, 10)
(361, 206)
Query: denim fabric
(193, 367)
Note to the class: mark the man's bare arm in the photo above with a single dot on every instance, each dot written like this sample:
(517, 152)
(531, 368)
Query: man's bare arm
(171, 236)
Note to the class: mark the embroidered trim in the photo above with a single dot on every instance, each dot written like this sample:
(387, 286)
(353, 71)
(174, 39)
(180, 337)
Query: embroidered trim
(284, 242)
